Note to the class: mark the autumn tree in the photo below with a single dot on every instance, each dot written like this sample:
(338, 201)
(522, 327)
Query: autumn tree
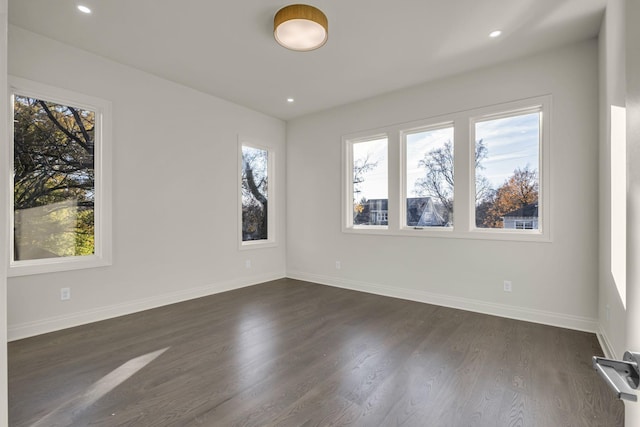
(519, 190)
(54, 177)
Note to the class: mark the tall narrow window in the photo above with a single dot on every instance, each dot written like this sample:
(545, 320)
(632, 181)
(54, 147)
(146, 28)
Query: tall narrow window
(58, 187)
(429, 177)
(256, 195)
(54, 180)
(369, 175)
(507, 158)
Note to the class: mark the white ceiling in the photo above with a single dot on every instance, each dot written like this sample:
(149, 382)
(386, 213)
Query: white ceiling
(226, 48)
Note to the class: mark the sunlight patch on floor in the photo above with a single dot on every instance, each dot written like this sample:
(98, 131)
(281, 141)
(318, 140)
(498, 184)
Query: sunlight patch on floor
(69, 410)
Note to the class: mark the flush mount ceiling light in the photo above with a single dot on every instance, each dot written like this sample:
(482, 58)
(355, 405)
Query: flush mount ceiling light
(300, 27)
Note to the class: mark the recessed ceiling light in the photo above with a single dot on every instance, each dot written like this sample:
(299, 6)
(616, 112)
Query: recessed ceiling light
(494, 34)
(84, 9)
(290, 100)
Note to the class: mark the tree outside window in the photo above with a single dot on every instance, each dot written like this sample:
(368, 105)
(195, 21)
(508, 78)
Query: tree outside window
(508, 171)
(370, 182)
(255, 194)
(54, 180)
(496, 175)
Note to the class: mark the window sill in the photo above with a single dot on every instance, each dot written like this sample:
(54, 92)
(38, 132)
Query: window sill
(257, 244)
(451, 233)
(53, 265)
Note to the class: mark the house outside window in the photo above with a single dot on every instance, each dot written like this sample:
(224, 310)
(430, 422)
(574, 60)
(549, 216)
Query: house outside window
(429, 176)
(368, 182)
(475, 188)
(507, 148)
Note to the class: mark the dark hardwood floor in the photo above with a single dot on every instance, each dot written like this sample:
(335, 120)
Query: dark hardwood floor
(290, 353)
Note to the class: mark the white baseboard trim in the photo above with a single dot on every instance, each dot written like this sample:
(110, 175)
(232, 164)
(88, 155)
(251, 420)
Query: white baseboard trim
(562, 320)
(604, 342)
(43, 326)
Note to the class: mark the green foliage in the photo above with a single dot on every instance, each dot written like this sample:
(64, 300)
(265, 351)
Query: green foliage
(54, 182)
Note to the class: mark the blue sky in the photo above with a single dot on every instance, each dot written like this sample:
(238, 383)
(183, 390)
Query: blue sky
(512, 142)
(418, 145)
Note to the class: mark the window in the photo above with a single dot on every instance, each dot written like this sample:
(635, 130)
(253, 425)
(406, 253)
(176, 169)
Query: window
(60, 187)
(524, 225)
(429, 177)
(476, 174)
(507, 155)
(256, 196)
(369, 183)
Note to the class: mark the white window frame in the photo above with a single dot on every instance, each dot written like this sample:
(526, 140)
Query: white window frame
(347, 179)
(541, 105)
(464, 172)
(522, 224)
(426, 126)
(271, 240)
(103, 174)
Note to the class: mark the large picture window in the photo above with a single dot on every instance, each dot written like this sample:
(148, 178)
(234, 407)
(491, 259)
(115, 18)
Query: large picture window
(58, 186)
(479, 174)
(256, 195)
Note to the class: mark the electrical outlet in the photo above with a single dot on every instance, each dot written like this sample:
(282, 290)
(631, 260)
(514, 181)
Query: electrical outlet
(247, 263)
(607, 312)
(507, 285)
(338, 265)
(65, 294)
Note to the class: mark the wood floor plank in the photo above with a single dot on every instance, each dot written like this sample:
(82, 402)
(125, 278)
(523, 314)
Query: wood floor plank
(291, 353)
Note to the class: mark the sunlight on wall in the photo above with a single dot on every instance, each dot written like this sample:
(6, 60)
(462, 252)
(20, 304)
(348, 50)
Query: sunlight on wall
(619, 200)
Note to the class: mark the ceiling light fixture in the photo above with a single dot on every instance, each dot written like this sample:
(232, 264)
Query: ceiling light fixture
(290, 100)
(84, 9)
(300, 27)
(494, 34)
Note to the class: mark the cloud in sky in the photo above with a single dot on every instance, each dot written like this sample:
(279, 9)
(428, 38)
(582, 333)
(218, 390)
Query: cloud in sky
(512, 142)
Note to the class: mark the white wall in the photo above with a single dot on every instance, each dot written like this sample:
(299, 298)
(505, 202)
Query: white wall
(174, 193)
(612, 94)
(632, 63)
(553, 282)
(4, 243)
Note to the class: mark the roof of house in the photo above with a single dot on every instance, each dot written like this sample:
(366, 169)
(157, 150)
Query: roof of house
(378, 204)
(530, 210)
(422, 213)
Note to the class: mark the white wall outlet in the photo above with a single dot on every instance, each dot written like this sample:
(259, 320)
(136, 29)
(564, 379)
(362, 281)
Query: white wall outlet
(247, 263)
(65, 294)
(338, 265)
(507, 285)
(607, 312)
